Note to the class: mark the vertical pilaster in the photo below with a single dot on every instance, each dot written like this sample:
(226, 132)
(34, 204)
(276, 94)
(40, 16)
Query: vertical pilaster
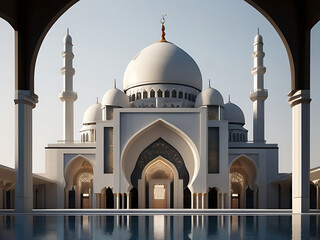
(300, 104)
(24, 103)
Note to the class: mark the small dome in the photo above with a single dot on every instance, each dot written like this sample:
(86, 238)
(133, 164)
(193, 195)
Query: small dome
(233, 113)
(209, 96)
(92, 114)
(258, 39)
(162, 63)
(116, 98)
(67, 39)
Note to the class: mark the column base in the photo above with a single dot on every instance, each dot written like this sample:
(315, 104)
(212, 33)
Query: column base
(23, 204)
(300, 205)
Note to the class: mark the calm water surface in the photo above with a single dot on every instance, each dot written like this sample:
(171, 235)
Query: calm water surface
(160, 227)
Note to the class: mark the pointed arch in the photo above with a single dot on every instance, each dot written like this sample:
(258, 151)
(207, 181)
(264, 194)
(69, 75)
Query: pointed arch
(152, 93)
(153, 151)
(169, 133)
(73, 166)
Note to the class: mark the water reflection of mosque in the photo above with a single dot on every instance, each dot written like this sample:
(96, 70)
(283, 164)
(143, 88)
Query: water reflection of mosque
(162, 227)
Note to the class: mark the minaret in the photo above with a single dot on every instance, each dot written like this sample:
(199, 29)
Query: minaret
(259, 94)
(67, 95)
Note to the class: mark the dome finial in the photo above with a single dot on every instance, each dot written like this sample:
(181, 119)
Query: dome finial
(67, 31)
(229, 98)
(209, 83)
(258, 31)
(97, 100)
(162, 21)
(115, 83)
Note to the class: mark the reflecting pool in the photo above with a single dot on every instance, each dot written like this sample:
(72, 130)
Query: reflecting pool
(160, 227)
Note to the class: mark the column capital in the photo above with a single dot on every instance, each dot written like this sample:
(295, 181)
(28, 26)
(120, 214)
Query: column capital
(299, 96)
(316, 182)
(27, 97)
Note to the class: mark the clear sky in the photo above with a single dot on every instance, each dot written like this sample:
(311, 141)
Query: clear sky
(106, 35)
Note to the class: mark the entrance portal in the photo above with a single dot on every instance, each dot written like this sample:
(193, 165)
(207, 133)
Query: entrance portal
(160, 169)
(242, 178)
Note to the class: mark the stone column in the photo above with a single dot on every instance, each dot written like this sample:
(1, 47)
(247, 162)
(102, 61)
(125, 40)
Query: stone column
(117, 201)
(300, 104)
(197, 200)
(222, 200)
(202, 200)
(128, 200)
(98, 199)
(25, 101)
(255, 205)
(317, 196)
(317, 183)
(1, 197)
(123, 200)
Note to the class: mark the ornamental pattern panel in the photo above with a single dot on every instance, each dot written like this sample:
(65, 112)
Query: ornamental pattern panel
(160, 148)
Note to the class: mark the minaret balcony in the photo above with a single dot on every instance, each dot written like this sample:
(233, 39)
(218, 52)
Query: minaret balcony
(259, 94)
(258, 54)
(68, 96)
(68, 72)
(258, 70)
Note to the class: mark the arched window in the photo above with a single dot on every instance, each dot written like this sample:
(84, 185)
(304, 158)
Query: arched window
(145, 94)
(189, 97)
(159, 93)
(174, 93)
(152, 93)
(180, 94)
(130, 100)
(138, 95)
(166, 93)
(234, 137)
(133, 97)
(87, 137)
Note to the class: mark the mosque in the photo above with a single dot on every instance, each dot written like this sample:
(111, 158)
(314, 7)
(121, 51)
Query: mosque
(163, 141)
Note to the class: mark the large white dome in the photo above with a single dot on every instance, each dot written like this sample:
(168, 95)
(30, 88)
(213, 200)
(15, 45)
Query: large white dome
(162, 63)
(233, 113)
(209, 96)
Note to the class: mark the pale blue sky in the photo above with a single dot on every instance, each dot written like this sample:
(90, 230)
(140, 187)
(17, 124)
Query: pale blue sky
(218, 34)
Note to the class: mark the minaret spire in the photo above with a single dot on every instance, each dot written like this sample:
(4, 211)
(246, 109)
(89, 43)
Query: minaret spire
(67, 95)
(259, 94)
